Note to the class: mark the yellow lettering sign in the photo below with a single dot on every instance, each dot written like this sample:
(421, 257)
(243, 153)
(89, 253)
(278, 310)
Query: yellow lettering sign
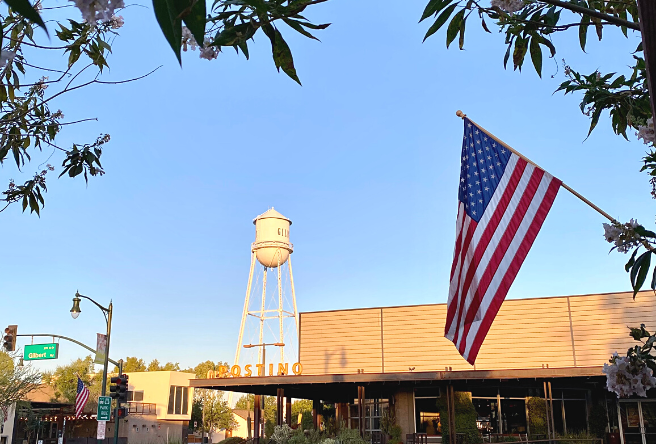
(283, 369)
(235, 371)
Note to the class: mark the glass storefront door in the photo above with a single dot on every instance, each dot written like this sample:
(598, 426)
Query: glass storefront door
(638, 421)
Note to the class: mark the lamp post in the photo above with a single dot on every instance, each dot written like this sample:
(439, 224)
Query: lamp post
(107, 312)
(258, 416)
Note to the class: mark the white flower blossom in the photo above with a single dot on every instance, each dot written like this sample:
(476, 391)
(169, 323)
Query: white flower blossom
(626, 378)
(508, 5)
(41, 84)
(116, 21)
(646, 133)
(622, 235)
(207, 51)
(98, 10)
(188, 39)
(6, 56)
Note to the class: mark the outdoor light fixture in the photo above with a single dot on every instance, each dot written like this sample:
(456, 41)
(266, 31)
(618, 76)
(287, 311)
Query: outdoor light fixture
(75, 311)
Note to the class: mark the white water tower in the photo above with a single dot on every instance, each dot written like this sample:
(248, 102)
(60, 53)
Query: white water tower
(272, 250)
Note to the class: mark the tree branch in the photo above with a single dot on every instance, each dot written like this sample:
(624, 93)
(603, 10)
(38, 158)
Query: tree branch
(592, 13)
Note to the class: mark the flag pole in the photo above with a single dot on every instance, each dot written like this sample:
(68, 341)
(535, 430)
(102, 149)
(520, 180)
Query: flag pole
(567, 187)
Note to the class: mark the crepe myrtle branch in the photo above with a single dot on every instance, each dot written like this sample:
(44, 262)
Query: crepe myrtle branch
(592, 13)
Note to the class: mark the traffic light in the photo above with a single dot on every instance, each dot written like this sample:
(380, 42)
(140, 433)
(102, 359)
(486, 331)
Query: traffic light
(122, 412)
(9, 339)
(119, 389)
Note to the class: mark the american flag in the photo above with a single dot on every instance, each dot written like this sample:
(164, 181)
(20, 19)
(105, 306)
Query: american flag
(81, 398)
(502, 203)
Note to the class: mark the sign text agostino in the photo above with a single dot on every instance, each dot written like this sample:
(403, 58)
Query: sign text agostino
(235, 371)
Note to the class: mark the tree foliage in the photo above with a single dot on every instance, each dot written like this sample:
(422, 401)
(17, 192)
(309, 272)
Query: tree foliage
(64, 381)
(248, 402)
(15, 381)
(30, 122)
(529, 27)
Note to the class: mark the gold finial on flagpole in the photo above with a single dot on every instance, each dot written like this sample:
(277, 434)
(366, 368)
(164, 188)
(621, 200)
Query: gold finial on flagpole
(461, 114)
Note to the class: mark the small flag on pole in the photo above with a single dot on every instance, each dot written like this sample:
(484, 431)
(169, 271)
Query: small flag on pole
(81, 398)
(503, 200)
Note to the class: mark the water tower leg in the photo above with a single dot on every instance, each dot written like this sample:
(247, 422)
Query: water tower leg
(264, 284)
(282, 349)
(243, 317)
(291, 281)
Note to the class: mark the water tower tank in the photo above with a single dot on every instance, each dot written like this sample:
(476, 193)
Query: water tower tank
(272, 246)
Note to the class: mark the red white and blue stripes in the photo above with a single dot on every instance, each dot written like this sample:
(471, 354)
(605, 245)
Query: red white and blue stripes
(81, 398)
(503, 201)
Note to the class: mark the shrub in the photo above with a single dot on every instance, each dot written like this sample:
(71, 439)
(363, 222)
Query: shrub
(298, 438)
(465, 418)
(269, 426)
(282, 434)
(306, 420)
(537, 416)
(349, 436)
(232, 440)
(573, 437)
(598, 420)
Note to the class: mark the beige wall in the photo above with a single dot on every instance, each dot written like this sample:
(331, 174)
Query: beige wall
(156, 385)
(563, 331)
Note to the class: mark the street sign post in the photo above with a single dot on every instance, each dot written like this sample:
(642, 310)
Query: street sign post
(104, 408)
(38, 352)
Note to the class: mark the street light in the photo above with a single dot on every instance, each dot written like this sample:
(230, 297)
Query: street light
(107, 312)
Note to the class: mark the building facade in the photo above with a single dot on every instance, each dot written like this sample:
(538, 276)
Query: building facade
(159, 409)
(541, 355)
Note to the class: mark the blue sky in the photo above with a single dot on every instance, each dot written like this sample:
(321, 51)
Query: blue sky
(364, 158)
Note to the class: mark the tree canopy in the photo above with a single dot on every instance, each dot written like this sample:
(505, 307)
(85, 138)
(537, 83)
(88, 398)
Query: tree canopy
(15, 381)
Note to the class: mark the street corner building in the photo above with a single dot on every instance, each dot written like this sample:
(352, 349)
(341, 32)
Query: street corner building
(537, 376)
(159, 410)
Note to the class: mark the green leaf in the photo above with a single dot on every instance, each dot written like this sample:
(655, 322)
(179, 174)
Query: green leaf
(454, 27)
(583, 30)
(440, 21)
(485, 25)
(549, 45)
(433, 7)
(244, 48)
(313, 26)
(519, 53)
(297, 27)
(594, 119)
(536, 55)
(282, 56)
(192, 13)
(631, 261)
(170, 24)
(34, 205)
(24, 8)
(461, 40)
(639, 271)
(507, 56)
(653, 280)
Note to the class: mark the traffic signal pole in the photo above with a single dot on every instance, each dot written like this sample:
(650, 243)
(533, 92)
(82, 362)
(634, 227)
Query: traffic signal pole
(116, 418)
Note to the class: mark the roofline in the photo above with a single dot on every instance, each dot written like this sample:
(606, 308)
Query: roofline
(505, 301)
(562, 372)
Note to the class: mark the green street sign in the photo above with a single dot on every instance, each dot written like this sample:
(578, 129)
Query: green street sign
(104, 408)
(37, 352)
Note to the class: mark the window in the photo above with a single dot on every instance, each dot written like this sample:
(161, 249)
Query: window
(171, 400)
(178, 400)
(135, 396)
